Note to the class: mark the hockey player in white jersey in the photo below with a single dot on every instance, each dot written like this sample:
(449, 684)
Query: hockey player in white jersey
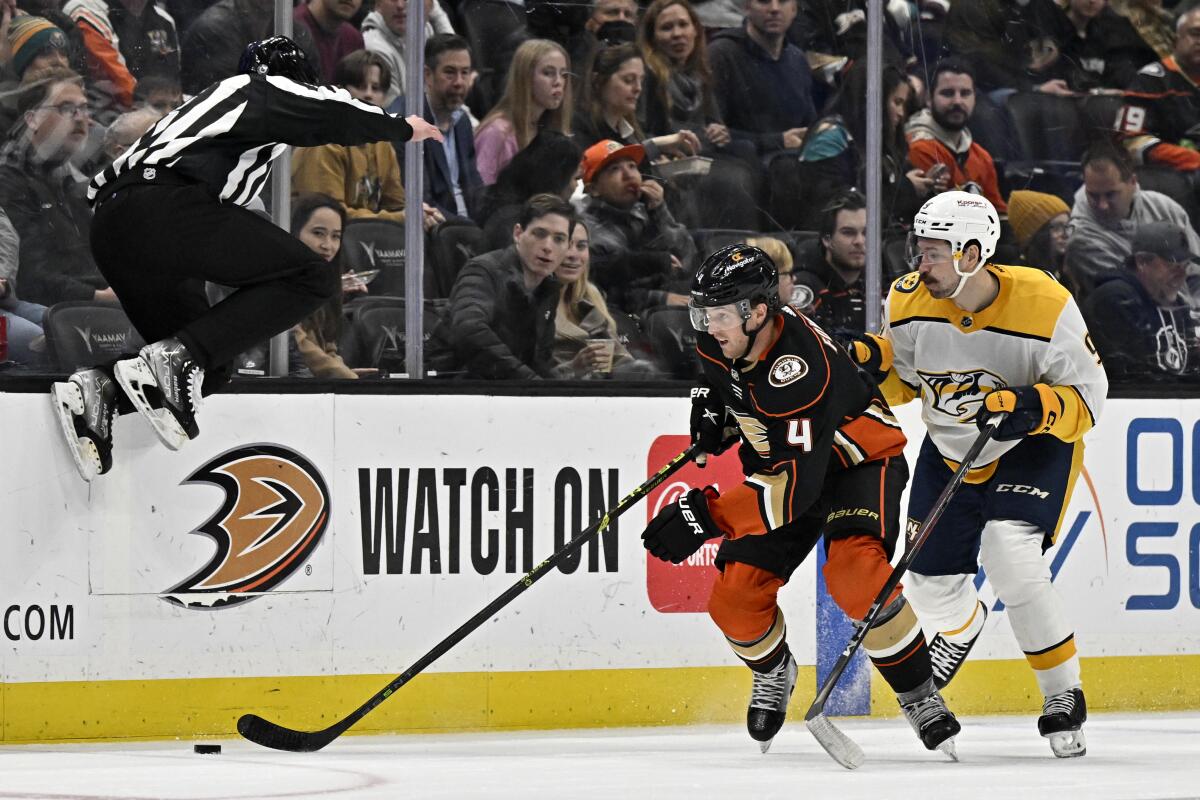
(973, 339)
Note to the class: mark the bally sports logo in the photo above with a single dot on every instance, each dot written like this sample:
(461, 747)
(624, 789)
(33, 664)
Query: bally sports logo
(276, 509)
(684, 588)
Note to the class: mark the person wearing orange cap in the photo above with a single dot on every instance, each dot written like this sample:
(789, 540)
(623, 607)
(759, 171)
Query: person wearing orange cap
(1039, 221)
(641, 256)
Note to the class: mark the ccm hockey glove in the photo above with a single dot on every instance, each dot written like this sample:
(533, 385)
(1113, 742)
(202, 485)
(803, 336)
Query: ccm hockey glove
(873, 354)
(1031, 410)
(682, 527)
(711, 428)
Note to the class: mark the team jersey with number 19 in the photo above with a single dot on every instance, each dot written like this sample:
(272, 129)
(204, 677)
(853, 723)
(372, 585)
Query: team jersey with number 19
(804, 410)
(1031, 333)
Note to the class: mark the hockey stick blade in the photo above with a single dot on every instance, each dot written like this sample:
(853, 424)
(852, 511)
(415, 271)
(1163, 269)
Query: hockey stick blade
(840, 747)
(278, 737)
(836, 743)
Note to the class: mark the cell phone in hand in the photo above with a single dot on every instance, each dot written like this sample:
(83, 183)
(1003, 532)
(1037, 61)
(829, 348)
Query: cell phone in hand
(936, 171)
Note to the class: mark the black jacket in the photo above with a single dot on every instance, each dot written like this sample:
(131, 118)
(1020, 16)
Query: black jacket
(758, 97)
(47, 208)
(496, 328)
(438, 191)
(825, 298)
(1137, 337)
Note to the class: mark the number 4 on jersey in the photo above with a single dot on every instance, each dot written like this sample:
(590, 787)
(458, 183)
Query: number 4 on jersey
(799, 433)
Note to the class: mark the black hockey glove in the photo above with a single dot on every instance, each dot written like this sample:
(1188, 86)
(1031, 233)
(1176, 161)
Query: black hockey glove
(682, 527)
(711, 427)
(873, 354)
(1030, 409)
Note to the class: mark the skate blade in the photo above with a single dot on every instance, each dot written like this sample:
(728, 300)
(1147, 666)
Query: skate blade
(1067, 744)
(841, 748)
(134, 374)
(68, 401)
(949, 749)
(765, 746)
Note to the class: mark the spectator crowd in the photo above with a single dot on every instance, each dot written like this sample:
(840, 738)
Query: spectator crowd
(595, 153)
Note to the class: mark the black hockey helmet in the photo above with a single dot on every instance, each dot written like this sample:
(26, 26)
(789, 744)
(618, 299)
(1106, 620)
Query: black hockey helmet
(277, 55)
(735, 275)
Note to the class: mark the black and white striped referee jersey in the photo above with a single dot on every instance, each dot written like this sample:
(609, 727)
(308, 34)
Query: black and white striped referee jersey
(227, 136)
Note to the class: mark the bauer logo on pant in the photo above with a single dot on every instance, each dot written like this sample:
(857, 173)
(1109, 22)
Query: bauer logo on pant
(276, 509)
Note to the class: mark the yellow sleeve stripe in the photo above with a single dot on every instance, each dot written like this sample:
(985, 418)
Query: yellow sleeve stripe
(1071, 417)
(896, 391)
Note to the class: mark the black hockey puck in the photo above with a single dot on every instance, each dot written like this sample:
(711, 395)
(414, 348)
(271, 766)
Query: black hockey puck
(207, 749)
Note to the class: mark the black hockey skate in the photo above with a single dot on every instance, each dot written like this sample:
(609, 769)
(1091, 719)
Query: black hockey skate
(948, 657)
(1062, 721)
(85, 405)
(769, 700)
(164, 384)
(933, 722)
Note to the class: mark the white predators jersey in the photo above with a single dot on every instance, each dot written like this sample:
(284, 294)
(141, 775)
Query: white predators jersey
(1031, 333)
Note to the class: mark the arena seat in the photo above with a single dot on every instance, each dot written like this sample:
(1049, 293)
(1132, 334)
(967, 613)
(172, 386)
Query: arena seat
(672, 341)
(1049, 127)
(1174, 184)
(83, 333)
(375, 333)
(451, 245)
(376, 244)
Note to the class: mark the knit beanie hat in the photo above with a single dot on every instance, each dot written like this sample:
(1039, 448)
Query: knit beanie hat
(1029, 211)
(28, 36)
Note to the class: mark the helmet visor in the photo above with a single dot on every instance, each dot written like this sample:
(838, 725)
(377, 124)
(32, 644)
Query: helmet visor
(718, 318)
(924, 250)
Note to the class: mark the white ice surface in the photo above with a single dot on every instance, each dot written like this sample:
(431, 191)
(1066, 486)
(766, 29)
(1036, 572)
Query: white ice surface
(1129, 756)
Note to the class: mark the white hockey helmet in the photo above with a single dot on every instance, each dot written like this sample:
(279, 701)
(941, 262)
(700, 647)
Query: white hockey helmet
(959, 218)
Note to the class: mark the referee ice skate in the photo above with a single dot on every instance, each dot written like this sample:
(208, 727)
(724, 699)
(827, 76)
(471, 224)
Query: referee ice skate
(170, 214)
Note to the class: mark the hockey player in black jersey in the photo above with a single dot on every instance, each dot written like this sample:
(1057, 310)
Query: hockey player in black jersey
(823, 456)
(170, 214)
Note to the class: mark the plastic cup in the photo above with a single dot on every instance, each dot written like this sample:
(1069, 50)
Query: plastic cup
(607, 347)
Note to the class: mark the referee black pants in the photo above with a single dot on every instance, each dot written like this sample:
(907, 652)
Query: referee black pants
(157, 244)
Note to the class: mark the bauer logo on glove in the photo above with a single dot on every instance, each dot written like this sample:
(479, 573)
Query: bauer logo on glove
(680, 529)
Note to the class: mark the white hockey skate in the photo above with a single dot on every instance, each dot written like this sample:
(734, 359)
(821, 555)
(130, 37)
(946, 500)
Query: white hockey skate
(1062, 721)
(85, 405)
(769, 700)
(164, 383)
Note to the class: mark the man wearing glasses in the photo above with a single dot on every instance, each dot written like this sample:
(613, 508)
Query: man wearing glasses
(42, 193)
(973, 339)
(1142, 316)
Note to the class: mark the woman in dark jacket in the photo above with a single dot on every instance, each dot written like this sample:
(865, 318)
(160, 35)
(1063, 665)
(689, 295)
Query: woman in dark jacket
(549, 165)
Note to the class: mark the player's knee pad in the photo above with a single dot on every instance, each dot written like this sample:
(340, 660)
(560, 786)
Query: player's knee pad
(943, 602)
(856, 568)
(742, 603)
(1010, 552)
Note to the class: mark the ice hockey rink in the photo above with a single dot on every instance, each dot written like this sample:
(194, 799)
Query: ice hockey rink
(1129, 756)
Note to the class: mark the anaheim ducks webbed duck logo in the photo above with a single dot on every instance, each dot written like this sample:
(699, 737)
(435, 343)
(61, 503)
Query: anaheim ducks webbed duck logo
(275, 511)
(959, 394)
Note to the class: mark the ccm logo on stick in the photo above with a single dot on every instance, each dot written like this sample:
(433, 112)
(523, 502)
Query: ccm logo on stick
(1019, 489)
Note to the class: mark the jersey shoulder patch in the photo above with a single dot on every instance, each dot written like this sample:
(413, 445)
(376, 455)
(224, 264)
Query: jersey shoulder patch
(787, 369)
(907, 284)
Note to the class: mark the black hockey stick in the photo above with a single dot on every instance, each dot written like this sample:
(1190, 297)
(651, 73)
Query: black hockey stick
(270, 734)
(840, 746)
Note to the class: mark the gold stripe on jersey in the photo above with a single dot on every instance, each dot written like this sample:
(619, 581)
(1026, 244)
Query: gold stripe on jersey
(755, 433)
(849, 449)
(765, 645)
(773, 496)
(1035, 317)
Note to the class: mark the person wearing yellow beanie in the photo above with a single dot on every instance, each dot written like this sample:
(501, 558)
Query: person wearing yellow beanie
(1039, 221)
(36, 42)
